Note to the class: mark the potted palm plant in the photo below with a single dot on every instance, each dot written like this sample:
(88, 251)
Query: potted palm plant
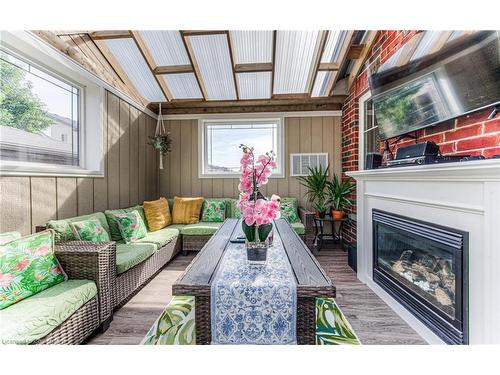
(315, 183)
(337, 192)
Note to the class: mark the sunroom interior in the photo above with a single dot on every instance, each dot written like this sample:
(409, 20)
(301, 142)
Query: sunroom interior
(146, 173)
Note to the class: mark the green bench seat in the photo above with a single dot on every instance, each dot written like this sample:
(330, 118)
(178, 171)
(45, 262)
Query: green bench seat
(35, 317)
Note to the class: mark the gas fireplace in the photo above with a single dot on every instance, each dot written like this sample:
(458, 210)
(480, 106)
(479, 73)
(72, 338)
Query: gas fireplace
(424, 267)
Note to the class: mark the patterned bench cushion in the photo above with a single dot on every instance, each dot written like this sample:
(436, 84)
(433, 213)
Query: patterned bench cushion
(63, 229)
(176, 325)
(35, 317)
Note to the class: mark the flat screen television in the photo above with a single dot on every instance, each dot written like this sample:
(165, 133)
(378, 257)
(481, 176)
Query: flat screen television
(434, 77)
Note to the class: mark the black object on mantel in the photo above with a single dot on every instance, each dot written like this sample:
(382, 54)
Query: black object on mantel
(418, 149)
(373, 160)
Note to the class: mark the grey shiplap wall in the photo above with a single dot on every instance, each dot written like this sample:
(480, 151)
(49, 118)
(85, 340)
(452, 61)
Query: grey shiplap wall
(302, 134)
(130, 176)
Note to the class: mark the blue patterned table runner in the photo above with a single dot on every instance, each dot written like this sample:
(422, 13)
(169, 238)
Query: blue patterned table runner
(254, 304)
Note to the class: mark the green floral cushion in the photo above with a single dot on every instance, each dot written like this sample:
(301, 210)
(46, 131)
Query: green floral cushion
(63, 229)
(28, 266)
(89, 230)
(114, 230)
(9, 236)
(288, 209)
(214, 210)
(131, 225)
(332, 327)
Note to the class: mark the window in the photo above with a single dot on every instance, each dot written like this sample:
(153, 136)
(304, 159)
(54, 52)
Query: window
(220, 140)
(39, 115)
(51, 111)
(369, 140)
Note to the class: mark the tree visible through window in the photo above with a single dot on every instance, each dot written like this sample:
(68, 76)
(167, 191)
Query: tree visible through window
(39, 115)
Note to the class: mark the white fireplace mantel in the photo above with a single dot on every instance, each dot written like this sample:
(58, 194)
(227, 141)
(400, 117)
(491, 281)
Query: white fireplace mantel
(465, 196)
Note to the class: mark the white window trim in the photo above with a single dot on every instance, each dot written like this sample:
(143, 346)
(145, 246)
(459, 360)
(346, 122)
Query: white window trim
(361, 128)
(280, 153)
(91, 156)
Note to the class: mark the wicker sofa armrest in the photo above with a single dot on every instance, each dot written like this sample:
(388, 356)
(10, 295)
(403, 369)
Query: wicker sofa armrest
(307, 218)
(92, 261)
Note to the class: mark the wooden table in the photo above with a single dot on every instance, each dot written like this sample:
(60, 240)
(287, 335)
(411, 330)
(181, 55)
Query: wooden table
(311, 280)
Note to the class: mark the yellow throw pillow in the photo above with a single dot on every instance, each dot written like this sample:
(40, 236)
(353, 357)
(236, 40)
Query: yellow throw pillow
(157, 214)
(186, 210)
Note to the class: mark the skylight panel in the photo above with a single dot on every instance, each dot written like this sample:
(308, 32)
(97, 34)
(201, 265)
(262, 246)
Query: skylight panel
(426, 43)
(212, 55)
(166, 47)
(294, 59)
(254, 85)
(129, 57)
(321, 83)
(333, 46)
(183, 86)
(252, 46)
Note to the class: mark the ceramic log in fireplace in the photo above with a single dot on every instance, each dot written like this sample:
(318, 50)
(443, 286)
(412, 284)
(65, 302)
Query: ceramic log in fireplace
(424, 267)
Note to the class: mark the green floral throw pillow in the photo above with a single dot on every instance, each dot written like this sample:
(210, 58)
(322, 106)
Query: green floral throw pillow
(214, 210)
(28, 266)
(289, 210)
(89, 230)
(131, 225)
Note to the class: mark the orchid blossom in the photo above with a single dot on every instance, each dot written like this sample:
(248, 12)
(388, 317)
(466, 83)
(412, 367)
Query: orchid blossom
(254, 174)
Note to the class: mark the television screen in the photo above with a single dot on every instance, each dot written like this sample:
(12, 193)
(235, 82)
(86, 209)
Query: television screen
(436, 76)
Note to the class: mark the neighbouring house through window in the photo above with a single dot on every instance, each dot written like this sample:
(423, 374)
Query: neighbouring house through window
(219, 147)
(39, 115)
(51, 111)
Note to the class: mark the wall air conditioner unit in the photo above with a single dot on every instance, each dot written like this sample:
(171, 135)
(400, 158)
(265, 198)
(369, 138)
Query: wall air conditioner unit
(300, 163)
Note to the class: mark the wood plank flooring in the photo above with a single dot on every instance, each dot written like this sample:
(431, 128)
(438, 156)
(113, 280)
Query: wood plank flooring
(371, 318)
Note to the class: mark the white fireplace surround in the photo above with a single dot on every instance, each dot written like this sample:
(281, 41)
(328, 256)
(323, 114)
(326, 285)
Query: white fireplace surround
(465, 196)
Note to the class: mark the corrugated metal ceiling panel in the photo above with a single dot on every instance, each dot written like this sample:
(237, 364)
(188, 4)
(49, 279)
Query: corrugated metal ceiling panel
(166, 47)
(294, 60)
(212, 54)
(129, 57)
(252, 46)
(183, 86)
(333, 46)
(321, 83)
(254, 85)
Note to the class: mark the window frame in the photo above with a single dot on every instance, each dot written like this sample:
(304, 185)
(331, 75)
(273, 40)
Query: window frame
(362, 128)
(203, 149)
(34, 52)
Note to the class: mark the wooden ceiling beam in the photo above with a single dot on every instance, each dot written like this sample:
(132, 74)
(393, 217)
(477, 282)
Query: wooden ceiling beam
(110, 34)
(355, 51)
(273, 61)
(369, 41)
(301, 95)
(194, 64)
(342, 58)
(251, 106)
(253, 68)
(202, 32)
(173, 69)
(231, 56)
(146, 54)
(328, 66)
(320, 47)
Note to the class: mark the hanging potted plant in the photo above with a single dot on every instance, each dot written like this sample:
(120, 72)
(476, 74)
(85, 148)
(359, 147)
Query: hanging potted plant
(315, 183)
(161, 141)
(257, 212)
(338, 192)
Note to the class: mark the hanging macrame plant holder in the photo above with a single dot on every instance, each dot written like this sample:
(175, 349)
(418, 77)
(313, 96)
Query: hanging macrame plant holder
(160, 130)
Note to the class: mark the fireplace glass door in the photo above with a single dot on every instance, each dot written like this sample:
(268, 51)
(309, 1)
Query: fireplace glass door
(421, 264)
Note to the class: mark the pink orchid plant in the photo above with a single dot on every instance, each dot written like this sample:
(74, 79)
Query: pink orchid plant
(255, 209)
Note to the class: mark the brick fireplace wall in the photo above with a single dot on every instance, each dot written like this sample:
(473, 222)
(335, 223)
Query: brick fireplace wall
(471, 134)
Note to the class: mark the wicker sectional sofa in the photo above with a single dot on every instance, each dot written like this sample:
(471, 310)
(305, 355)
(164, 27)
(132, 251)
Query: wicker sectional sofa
(132, 265)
